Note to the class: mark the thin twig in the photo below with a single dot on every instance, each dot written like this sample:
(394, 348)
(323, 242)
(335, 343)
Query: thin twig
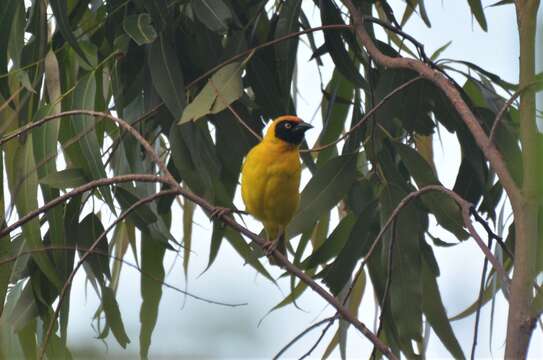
(303, 333)
(308, 353)
(499, 115)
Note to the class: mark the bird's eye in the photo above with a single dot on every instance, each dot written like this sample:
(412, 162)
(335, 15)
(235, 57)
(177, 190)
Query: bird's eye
(288, 125)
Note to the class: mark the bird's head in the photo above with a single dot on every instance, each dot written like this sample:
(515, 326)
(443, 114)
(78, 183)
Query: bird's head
(287, 128)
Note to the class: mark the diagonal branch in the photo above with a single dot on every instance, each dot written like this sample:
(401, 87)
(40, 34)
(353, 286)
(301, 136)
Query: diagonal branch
(172, 183)
(465, 207)
(79, 190)
(488, 148)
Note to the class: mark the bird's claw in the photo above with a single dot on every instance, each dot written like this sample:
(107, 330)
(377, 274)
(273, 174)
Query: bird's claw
(270, 246)
(218, 212)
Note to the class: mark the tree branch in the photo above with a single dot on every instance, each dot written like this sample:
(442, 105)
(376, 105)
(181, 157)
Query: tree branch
(79, 190)
(170, 180)
(436, 77)
(465, 207)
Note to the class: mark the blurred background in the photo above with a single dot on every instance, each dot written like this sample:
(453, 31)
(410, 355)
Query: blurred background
(192, 329)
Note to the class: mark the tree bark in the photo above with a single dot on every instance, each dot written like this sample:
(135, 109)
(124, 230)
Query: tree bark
(521, 322)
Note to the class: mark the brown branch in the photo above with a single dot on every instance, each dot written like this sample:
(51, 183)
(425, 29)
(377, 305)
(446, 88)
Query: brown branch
(465, 207)
(79, 190)
(436, 77)
(170, 180)
(7, 260)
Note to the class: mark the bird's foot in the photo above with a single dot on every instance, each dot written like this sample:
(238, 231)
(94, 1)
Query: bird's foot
(219, 212)
(270, 246)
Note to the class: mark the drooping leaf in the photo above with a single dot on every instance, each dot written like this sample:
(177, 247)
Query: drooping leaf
(140, 29)
(60, 10)
(334, 113)
(477, 10)
(435, 313)
(113, 316)
(333, 244)
(444, 208)
(330, 15)
(325, 189)
(8, 9)
(152, 256)
(285, 51)
(88, 231)
(336, 275)
(166, 75)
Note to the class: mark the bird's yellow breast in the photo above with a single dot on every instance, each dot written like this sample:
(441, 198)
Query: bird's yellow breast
(270, 184)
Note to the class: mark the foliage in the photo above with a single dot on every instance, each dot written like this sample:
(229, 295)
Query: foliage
(181, 72)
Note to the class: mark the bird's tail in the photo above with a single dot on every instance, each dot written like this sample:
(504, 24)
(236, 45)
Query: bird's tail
(282, 248)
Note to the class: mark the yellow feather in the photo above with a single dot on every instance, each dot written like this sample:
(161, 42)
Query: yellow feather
(270, 182)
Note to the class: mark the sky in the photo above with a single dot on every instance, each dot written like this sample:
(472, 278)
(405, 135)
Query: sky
(194, 329)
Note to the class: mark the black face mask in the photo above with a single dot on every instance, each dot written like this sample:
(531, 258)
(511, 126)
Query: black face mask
(291, 131)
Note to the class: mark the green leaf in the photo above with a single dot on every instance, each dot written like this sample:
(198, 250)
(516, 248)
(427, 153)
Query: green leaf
(64, 179)
(224, 87)
(336, 275)
(502, 2)
(60, 10)
(423, 14)
(167, 76)
(84, 98)
(23, 183)
(8, 9)
(139, 28)
(294, 294)
(214, 14)
(113, 316)
(334, 112)
(88, 231)
(477, 10)
(285, 51)
(246, 253)
(344, 64)
(188, 215)
(152, 257)
(438, 52)
(444, 208)
(142, 216)
(325, 189)
(333, 245)
(435, 313)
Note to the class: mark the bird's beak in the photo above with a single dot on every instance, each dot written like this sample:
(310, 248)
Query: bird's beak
(302, 127)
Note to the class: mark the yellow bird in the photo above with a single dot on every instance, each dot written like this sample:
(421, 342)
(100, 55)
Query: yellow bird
(270, 178)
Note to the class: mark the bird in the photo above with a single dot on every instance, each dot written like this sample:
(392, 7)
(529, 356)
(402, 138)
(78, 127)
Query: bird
(270, 179)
